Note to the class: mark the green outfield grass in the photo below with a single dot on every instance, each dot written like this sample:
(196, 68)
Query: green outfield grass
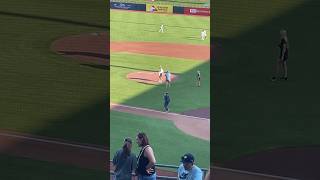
(184, 93)
(133, 26)
(44, 93)
(168, 142)
(184, 3)
(139, 26)
(252, 113)
(24, 168)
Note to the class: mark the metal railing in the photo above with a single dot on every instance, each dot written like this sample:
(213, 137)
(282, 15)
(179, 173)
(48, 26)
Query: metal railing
(204, 170)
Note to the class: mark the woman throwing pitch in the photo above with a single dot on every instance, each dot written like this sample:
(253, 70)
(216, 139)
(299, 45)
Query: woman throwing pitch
(283, 57)
(146, 159)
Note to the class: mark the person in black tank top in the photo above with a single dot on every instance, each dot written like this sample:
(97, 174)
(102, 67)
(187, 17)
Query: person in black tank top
(283, 56)
(146, 160)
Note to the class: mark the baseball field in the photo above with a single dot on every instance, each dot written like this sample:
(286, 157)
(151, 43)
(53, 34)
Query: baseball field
(253, 114)
(137, 51)
(45, 94)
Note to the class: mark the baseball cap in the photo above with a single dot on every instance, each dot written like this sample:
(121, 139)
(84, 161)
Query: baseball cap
(187, 158)
(127, 139)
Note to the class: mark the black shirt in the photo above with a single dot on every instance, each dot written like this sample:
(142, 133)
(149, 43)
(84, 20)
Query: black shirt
(283, 49)
(143, 162)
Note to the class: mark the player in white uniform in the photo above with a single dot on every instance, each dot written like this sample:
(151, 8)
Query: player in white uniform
(160, 74)
(161, 28)
(203, 34)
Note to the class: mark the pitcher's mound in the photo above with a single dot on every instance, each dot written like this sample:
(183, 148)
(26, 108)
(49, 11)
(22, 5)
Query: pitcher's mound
(147, 77)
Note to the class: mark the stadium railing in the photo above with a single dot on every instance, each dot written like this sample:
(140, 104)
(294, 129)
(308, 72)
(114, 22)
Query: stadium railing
(204, 170)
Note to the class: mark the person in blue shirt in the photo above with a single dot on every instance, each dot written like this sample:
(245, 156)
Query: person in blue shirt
(188, 170)
(124, 161)
(166, 99)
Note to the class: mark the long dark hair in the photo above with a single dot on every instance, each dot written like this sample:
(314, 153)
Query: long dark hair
(144, 139)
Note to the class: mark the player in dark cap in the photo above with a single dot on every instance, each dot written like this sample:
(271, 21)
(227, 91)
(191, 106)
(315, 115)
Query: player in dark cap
(166, 99)
(124, 161)
(188, 170)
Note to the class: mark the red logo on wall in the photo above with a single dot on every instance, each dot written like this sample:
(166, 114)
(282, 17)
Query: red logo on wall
(197, 11)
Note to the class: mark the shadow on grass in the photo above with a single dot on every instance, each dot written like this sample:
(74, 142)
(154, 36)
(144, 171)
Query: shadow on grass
(185, 95)
(97, 66)
(251, 112)
(125, 67)
(52, 19)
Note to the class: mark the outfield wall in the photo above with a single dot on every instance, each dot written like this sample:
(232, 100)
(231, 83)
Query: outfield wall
(157, 8)
(128, 6)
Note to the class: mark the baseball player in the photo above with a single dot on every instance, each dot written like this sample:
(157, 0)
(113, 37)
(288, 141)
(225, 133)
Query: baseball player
(168, 79)
(203, 34)
(166, 99)
(161, 28)
(160, 74)
(198, 78)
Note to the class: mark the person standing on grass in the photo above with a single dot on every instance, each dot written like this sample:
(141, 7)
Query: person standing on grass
(168, 79)
(283, 57)
(203, 35)
(146, 159)
(124, 162)
(198, 78)
(160, 74)
(161, 28)
(188, 170)
(167, 100)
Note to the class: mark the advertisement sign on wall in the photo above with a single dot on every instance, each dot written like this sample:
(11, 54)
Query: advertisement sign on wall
(178, 10)
(156, 8)
(197, 11)
(128, 6)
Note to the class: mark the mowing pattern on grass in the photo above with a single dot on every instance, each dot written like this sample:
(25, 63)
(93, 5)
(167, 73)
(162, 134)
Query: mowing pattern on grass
(143, 28)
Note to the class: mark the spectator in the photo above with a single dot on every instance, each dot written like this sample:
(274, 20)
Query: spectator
(146, 159)
(153, 9)
(208, 175)
(187, 170)
(124, 162)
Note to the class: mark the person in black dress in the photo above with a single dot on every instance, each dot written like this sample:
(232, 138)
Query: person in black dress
(283, 57)
(146, 160)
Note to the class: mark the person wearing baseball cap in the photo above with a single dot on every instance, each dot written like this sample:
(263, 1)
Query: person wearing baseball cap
(188, 170)
(124, 161)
